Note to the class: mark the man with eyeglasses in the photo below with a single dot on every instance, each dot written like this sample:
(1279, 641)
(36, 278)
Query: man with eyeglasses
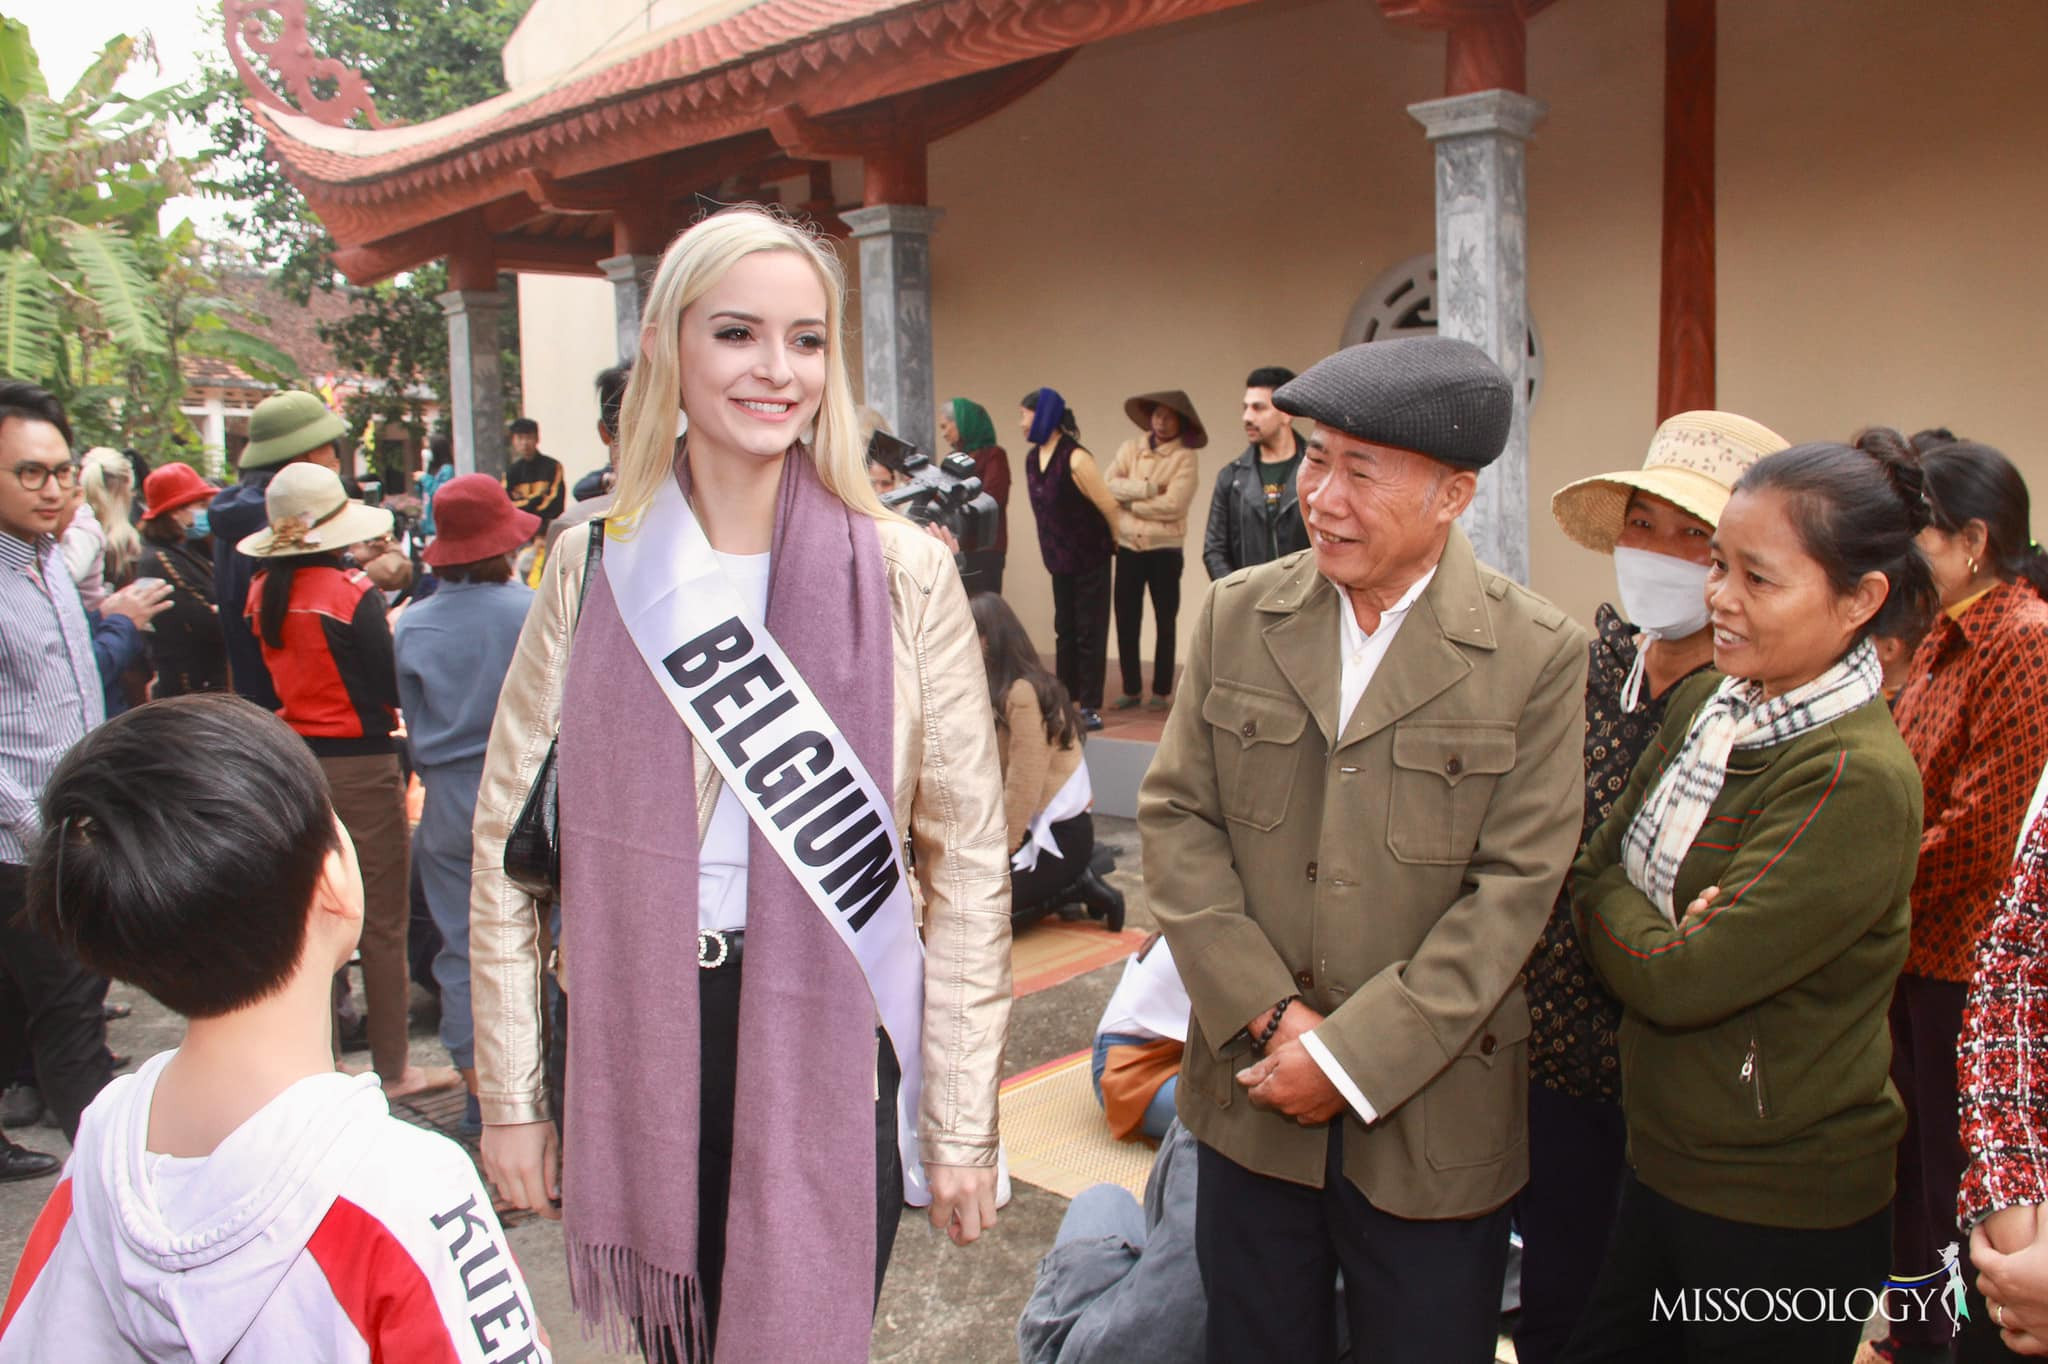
(50, 1006)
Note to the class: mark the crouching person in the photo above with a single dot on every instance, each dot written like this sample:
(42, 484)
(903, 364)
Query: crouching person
(237, 1199)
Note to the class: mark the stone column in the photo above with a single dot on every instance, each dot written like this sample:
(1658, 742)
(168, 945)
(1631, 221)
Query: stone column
(1482, 294)
(476, 380)
(630, 275)
(896, 315)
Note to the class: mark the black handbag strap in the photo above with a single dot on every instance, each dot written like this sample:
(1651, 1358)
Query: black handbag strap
(593, 554)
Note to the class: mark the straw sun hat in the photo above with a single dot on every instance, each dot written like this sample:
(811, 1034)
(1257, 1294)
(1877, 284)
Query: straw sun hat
(1694, 462)
(310, 514)
(1192, 433)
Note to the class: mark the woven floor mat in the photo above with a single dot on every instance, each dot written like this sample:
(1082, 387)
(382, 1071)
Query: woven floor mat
(1055, 1136)
(1052, 952)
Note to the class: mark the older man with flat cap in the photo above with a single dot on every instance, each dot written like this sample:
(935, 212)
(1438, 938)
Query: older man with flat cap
(1353, 832)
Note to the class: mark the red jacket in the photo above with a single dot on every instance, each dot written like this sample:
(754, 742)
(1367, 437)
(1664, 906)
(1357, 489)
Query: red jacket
(1971, 712)
(337, 683)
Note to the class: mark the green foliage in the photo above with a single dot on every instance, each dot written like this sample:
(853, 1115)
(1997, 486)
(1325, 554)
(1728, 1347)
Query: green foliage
(423, 59)
(95, 300)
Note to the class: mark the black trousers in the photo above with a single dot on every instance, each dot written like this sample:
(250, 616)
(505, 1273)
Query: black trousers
(1663, 1251)
(1031, 890)
(982, 571)
(1927, 1023)
(1270, 1250)
(50, 1011)
(718, 1007)
(1577, 1156)
(1138, 572)
(1080, 630)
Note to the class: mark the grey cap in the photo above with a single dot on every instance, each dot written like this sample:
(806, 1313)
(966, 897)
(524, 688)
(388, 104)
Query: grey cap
(1430, 394)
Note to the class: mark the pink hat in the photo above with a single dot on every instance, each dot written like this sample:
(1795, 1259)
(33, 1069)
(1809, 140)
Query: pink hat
(173, 486)
(475, 520)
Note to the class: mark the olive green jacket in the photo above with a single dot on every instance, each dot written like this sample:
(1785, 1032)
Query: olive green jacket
(1755, 1047)
(1393, 870)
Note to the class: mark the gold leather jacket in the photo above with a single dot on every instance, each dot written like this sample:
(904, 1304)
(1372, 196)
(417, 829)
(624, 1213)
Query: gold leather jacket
(948, 800)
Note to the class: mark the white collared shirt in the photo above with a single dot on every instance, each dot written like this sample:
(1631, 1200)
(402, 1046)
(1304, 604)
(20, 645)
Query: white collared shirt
(1361, 655)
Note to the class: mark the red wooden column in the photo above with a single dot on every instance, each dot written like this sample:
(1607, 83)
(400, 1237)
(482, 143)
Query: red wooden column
(1685, 324)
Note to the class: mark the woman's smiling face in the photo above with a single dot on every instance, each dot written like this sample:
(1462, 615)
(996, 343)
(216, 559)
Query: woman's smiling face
(1777, 617)
(753, 354)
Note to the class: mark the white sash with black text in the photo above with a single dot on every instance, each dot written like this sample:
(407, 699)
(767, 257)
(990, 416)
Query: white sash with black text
(793, 772)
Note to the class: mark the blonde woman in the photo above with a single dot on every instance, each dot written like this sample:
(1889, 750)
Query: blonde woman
(107, 482)
(730, 1157)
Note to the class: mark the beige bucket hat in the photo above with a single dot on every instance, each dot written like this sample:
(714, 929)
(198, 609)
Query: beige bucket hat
(310, 514)
(1694, 462)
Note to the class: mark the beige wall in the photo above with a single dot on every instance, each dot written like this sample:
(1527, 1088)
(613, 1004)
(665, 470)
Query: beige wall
(1179, 206)
(566, 337)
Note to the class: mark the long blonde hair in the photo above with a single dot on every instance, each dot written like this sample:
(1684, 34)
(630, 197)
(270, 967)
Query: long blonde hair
(108, 481)
(690, 268)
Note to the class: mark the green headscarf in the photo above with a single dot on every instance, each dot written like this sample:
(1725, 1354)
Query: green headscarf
(977, 432)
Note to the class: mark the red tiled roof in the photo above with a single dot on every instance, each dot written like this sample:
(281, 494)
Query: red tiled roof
(701, 86)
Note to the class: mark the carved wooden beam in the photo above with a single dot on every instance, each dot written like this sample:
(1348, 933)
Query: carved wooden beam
(550, 255)
(556, 197)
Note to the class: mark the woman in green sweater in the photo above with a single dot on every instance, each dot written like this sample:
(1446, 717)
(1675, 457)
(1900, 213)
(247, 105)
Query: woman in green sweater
(1747, 903)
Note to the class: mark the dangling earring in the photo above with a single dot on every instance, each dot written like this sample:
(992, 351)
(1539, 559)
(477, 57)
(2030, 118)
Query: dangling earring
(1973, 564)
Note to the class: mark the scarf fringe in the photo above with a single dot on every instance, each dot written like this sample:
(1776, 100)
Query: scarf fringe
(614, 1288)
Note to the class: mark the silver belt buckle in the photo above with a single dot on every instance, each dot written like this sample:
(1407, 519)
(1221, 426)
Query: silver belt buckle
(712, 948)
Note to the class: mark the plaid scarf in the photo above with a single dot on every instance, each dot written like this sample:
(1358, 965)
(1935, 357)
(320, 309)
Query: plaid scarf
(1735, 716)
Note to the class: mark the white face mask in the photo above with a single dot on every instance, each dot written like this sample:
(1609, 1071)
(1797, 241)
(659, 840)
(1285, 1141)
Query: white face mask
(1662, 596)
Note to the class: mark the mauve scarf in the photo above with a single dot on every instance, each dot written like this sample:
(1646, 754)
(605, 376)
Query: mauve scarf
(800, 1227)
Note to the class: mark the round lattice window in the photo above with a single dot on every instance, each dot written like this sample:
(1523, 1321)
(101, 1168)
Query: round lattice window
(1402, 302)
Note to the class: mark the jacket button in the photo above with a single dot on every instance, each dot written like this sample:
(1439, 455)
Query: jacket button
(1311, 871)
(1305, 980)
(1250, 729)
(1453, 766)
(1487, 1045)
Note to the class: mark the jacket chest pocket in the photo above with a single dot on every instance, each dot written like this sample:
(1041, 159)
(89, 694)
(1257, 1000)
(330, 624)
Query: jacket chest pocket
(1443, 779)
(1255, 739)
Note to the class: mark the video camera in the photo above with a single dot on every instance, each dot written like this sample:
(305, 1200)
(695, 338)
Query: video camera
(947, 493)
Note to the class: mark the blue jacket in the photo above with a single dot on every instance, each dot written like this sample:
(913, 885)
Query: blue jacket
(453, 652)
(235, 513)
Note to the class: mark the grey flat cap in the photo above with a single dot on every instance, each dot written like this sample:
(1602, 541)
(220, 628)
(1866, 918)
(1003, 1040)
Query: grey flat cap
(1429, 394)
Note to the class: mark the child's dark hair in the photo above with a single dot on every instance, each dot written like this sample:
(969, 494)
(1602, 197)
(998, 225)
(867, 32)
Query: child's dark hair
(180, 849)
(1007, 650)
(1857, 509)
(611, 391)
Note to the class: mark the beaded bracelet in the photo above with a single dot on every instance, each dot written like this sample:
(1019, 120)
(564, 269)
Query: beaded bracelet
(1272, 1027)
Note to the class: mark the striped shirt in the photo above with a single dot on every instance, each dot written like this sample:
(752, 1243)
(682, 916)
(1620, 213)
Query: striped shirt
(49, 684)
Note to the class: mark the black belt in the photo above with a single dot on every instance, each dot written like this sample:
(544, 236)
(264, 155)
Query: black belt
(717, 948)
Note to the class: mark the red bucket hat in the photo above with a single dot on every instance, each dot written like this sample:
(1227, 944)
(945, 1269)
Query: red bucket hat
(172, 486)
(474, 520)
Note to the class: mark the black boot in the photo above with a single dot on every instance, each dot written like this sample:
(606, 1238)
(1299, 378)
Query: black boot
(1104, 901)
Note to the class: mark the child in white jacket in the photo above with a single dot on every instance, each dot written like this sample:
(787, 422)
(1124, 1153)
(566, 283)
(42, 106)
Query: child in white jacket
(236, 1199)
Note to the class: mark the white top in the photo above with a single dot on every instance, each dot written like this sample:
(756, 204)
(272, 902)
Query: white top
(722, 861)
(1149, 1000)
(1361, 654)
(1074, 797)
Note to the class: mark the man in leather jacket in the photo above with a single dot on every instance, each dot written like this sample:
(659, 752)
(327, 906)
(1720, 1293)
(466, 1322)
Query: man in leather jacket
(1254, 516)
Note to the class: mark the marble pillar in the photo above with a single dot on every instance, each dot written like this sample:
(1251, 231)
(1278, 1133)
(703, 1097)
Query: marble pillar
(1482, 287)
(896, 316)
(630, 276)
(476, 380)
